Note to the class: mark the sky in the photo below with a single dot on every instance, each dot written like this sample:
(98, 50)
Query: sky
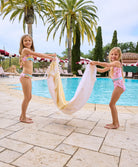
(119, 15)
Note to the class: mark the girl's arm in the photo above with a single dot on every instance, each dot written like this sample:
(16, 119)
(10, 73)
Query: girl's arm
(27, 51)
(103, 70)
(104, 64)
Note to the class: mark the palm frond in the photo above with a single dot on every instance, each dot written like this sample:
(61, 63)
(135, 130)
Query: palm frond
(17, 8)
(72, 12)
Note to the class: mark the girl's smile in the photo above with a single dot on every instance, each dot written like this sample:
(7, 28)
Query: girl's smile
(114, 56)
(27, 42)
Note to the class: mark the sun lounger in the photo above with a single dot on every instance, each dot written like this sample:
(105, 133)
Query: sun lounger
(66, 73)
(41, 70)
(37, 73)
(4, 74)
(80, 73)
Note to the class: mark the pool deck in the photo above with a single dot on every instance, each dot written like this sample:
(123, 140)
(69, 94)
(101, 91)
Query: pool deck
(59, 140)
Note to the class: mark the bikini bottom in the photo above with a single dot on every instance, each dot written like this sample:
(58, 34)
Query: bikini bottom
(25, 75)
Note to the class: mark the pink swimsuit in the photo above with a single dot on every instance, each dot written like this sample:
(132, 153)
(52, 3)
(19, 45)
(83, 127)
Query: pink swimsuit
(117, 78)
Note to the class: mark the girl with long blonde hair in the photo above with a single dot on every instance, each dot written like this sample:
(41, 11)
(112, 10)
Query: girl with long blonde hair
(116, 74)
(27, 54)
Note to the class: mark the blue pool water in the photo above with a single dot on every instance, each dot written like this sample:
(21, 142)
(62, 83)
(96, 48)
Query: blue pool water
(101, 93)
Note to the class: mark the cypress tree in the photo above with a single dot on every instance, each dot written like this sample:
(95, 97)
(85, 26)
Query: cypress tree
(98, 50)
(136, 48)
(76, 52)
(114, 40)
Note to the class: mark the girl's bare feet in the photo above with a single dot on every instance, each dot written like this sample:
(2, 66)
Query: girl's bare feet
(21, 117)
(29, 118)
(111, 126)
(26, 120)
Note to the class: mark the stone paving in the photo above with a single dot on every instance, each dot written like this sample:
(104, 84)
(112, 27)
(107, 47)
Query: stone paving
(59, 140)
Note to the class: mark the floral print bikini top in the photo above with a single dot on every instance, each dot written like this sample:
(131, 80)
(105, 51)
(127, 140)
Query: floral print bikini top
(27, 58)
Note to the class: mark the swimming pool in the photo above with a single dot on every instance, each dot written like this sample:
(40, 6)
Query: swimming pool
(101, 93)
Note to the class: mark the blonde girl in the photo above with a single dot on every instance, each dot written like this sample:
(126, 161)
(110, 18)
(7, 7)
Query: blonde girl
(27, 54)
(116, 74)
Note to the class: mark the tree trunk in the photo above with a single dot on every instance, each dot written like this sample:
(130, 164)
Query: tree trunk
(76, 52)
(30, 29)
(29, 18)
(69, 50)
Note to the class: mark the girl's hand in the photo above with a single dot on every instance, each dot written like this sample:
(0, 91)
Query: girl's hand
(93, 63)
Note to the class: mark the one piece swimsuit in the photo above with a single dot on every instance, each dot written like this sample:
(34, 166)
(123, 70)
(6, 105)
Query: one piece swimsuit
(27, 58)
(117, 78)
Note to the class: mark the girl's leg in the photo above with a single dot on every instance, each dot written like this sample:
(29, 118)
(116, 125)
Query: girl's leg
(115, 96)
(27, 91)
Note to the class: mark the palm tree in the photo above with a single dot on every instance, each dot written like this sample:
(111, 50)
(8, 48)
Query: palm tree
(70, 13)
(27, 10)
